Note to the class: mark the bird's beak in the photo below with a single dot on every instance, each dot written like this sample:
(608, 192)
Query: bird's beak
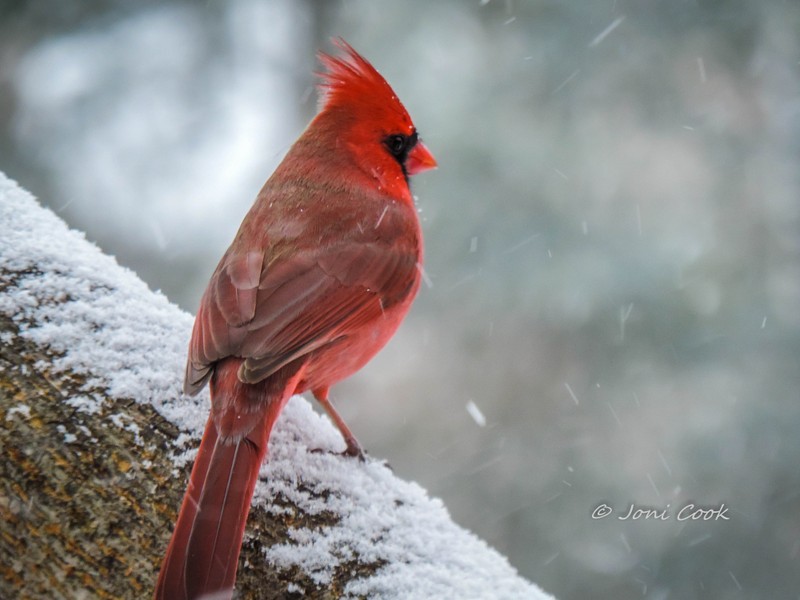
(419, 159)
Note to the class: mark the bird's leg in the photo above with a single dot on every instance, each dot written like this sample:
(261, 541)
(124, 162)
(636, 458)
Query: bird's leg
(353, 447)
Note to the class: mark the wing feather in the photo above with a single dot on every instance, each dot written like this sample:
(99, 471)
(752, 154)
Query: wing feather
(297, 304)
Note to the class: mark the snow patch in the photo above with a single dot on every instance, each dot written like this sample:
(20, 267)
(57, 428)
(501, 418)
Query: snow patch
(19, 409)
(99, 319)
(69, 438)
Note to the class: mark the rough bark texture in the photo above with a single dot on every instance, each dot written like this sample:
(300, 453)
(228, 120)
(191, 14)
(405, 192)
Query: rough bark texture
(83, 519)
(91, 518)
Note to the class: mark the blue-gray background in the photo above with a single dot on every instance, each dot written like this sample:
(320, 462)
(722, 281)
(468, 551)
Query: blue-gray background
(612, 241)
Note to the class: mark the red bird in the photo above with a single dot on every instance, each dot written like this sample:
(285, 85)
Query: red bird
(318, 278)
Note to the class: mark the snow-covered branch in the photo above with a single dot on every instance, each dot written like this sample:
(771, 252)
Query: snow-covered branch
(97, 441)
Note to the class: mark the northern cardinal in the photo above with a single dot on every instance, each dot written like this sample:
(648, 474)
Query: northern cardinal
(321, 273)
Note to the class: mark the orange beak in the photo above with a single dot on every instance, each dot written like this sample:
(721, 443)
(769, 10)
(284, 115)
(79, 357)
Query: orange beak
(419, 159)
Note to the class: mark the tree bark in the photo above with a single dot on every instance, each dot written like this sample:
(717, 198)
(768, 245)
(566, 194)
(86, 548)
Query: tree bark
(82, 516)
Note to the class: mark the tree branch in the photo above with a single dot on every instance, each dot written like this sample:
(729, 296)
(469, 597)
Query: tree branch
(97, 442)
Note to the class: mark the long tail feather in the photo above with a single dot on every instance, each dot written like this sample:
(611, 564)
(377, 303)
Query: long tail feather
(172, 580)
(216, 535)
(203, 554)
(204, 550)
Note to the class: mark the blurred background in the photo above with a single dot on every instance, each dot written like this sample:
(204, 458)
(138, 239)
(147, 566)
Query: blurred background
(612, 241)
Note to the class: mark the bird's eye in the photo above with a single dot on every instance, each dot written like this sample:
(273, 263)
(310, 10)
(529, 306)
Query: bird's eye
(397, 144)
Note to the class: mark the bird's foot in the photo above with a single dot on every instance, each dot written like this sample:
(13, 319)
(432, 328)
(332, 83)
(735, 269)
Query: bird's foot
(353, 450)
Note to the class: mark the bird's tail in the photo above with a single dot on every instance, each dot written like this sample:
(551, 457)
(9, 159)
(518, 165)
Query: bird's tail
(203, 554)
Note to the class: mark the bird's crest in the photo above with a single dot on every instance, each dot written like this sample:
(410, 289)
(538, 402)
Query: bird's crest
(350, 80)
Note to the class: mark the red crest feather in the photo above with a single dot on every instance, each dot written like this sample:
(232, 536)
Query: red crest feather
(350, 80)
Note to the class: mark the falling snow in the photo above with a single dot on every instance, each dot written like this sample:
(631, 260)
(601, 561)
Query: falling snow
(476, 414)
(607, 31)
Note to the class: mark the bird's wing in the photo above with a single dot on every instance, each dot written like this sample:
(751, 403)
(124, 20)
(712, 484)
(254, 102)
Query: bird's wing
(270, 312)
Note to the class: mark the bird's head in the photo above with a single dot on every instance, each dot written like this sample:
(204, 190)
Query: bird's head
(371, 122)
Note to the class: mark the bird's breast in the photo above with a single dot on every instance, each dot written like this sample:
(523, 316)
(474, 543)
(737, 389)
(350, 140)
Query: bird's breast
(348, 353)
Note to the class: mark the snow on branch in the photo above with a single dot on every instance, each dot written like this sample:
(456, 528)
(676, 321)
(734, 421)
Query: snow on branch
(97, 440)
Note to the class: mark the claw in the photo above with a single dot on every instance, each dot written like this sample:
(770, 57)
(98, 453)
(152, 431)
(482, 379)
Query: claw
(350, 451)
